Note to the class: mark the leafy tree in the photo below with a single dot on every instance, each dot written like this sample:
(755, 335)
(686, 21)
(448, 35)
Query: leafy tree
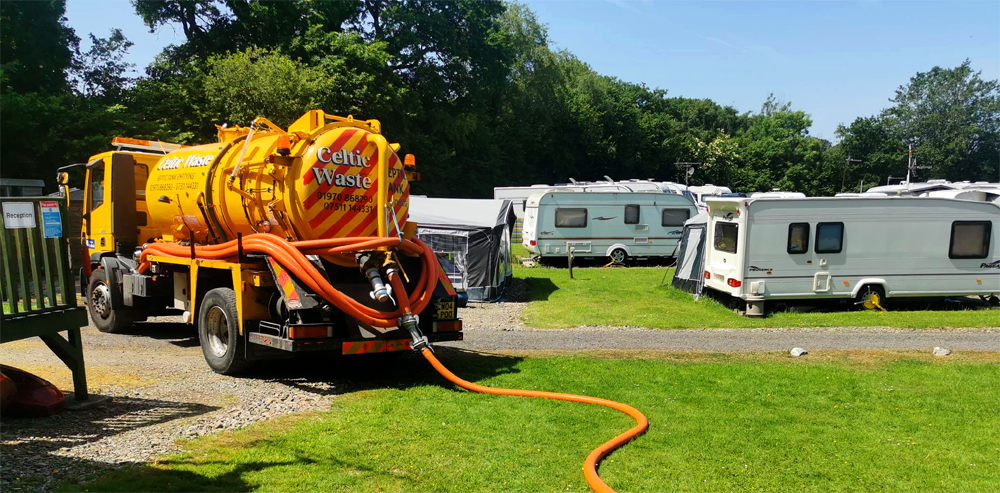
(775, 142)
(101, 72)
(241, 86)
(216, 26)
(952, 116)
(872, 141)
(36, 46)
(473, 88)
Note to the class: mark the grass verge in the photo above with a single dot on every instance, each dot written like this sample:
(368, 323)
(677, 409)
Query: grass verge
(635, 297)
(718, 423)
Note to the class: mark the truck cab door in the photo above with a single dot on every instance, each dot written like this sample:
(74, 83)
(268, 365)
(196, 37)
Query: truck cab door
(97, 209)
(109, 223)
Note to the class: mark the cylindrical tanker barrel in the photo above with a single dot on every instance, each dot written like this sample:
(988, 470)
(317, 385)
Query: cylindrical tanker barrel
(319, 179)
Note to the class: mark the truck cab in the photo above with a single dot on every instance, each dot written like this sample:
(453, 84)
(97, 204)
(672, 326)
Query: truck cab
(114, 208)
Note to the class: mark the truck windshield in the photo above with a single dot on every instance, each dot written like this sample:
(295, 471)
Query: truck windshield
(725, 237)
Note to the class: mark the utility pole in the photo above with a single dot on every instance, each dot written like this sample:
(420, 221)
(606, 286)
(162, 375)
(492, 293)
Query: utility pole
(688, 169)
(847, 165)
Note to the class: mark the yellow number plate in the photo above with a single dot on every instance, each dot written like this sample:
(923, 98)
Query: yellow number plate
(446, 310)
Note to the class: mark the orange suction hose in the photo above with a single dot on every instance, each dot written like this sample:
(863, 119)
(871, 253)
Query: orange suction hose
(292, 257)
(590, 464)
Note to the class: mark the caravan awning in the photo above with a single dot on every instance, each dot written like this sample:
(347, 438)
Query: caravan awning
(477, 213)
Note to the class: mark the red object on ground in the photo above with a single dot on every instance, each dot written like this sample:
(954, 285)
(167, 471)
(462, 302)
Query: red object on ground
(7, 390)
(35, 396)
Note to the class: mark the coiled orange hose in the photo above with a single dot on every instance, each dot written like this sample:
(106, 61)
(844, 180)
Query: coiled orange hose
(292, 256)
(590, 464)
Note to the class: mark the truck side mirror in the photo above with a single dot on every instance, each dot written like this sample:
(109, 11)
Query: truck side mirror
(63, 178)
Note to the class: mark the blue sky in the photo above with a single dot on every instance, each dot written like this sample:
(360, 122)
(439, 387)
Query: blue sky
(834, 60)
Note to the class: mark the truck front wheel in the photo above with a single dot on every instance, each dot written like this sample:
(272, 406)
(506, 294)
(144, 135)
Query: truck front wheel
(106, 317)
(219, 332)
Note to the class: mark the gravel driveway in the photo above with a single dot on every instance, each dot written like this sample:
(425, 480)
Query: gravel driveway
(161, 390)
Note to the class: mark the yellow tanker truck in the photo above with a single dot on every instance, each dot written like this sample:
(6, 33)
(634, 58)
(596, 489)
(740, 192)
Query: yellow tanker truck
(270, 241)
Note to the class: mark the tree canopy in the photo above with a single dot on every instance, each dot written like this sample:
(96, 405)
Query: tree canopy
(472, 87)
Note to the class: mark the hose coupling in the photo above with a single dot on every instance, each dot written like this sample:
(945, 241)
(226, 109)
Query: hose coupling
(369, 265)
(379, 291)
(409, 322)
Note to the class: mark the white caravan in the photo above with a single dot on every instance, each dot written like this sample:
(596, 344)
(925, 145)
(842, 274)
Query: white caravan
(519, 195)
(860, 248)
(613, 225)
(702, 193)
(924, 188)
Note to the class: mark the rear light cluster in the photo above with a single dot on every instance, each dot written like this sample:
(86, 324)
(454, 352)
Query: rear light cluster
(735, 283)
(532, 242)
(448, 326)
(309, 332)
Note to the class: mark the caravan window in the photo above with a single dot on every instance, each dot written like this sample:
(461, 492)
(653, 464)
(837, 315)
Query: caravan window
(970, 239)
(631, 214)
(798, 238)
(726, 235)
(675, 217)
(571, 218)
(829, 237)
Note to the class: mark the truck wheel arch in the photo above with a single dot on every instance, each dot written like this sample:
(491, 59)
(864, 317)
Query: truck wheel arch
(113, 268)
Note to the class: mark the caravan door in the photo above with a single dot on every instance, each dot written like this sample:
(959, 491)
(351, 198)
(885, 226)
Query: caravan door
(828, 247)
(724, 263)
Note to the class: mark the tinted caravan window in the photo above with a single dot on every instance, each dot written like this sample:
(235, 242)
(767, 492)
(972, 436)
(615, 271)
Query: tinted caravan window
(798, 238)
(726, 235)
(675, 217)
(970, 239)
(571, 218)
(829, 237)
(631, 214)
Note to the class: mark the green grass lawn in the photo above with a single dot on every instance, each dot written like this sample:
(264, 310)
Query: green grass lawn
(635, 297)
(836, 422)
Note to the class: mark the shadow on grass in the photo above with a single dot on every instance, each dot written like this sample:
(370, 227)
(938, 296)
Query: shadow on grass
(539, 288)
(320, 374)
(146, 478)
(237, 475)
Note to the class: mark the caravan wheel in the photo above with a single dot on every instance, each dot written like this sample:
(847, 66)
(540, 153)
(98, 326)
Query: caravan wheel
(871, 297)
(618, 256)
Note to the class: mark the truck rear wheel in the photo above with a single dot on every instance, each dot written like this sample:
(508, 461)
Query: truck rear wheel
(219, 332)
(105, 316)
